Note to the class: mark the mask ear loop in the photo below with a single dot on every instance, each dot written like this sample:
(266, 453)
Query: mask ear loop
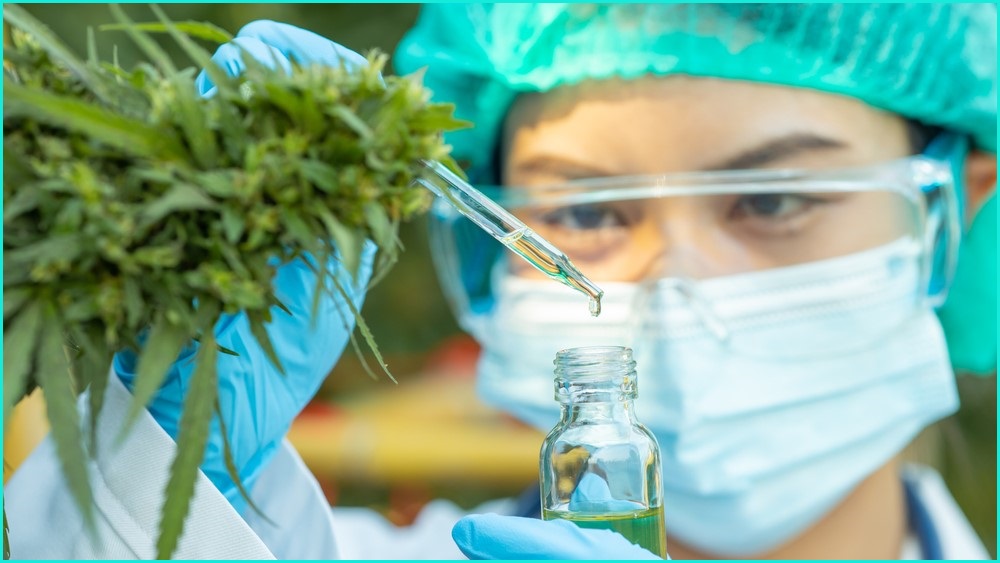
(691, 294)
(688, 288)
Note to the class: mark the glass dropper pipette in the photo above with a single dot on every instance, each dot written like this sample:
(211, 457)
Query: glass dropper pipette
(509, 230)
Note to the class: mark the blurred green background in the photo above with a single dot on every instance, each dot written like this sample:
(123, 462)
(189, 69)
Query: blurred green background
(410, 318)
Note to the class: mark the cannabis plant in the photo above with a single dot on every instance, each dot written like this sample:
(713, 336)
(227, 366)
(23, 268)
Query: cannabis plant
(135, 208)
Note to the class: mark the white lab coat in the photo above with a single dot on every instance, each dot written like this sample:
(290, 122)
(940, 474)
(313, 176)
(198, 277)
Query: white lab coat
(128, 481)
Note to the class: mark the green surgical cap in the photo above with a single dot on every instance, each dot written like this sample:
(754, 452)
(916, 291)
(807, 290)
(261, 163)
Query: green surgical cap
(935, 63)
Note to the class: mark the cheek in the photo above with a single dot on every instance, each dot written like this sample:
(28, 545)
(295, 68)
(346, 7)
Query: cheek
(886, 217)
(865, 221)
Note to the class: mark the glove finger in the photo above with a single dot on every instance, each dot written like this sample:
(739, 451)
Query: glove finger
(490, 536)
(300, 45)
(229, 57)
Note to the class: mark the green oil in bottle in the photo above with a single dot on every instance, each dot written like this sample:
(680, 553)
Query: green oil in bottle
(644, 528)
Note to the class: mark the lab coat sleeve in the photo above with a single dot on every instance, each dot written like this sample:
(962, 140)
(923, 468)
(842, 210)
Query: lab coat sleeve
(127, 481)
(294, 520)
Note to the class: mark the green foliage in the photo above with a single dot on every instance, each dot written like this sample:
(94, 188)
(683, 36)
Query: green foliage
(128, 199)
(198, 408)
(52, 367)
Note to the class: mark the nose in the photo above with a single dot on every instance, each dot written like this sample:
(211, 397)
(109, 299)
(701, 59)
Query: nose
(684, 240)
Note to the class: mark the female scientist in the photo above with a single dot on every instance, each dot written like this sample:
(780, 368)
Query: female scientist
(790, 210)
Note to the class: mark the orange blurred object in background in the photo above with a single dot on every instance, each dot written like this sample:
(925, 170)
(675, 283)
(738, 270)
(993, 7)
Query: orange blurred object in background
(429, 433)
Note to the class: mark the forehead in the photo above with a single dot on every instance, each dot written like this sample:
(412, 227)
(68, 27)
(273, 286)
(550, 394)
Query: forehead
(655, 124)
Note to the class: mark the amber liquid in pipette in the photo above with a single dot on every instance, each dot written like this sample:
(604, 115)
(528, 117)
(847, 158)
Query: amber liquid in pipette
(561, 272)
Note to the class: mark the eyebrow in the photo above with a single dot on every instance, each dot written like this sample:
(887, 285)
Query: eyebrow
(770, 151)
(557, 164)
(775, 150)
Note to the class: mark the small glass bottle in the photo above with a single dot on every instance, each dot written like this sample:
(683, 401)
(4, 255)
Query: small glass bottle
(600, 467)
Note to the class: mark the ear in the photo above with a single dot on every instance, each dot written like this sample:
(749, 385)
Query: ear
(980, 181)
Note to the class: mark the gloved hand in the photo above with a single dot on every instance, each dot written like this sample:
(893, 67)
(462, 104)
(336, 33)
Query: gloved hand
(274, 43)
(491, 536)
(258, 403)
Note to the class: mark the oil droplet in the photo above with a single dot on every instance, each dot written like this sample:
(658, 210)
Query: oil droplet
(595, 306)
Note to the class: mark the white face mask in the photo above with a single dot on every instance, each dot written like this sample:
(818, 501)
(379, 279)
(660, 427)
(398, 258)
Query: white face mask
(772, 394)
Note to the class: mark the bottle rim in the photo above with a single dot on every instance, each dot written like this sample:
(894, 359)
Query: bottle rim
(594, 362)
(595, 374)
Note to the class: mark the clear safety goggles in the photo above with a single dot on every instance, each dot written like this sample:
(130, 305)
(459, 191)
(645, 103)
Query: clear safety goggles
(706, 225)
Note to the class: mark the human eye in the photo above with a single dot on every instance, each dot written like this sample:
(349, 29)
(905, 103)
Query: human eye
(584, 218)
(772, 206)
(778, 214)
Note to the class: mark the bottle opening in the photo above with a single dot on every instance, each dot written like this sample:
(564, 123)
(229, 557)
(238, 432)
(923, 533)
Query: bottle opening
(595, 373)
(594, 361)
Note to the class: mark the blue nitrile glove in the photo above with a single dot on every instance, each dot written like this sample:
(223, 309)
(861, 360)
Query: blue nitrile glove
(258, 403)
(490, 536)
(277, 43)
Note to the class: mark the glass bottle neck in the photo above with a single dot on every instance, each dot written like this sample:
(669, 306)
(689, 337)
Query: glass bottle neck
(599, 412)
(596, 385)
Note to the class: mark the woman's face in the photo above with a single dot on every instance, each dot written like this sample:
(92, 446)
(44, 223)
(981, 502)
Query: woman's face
(653, 126)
